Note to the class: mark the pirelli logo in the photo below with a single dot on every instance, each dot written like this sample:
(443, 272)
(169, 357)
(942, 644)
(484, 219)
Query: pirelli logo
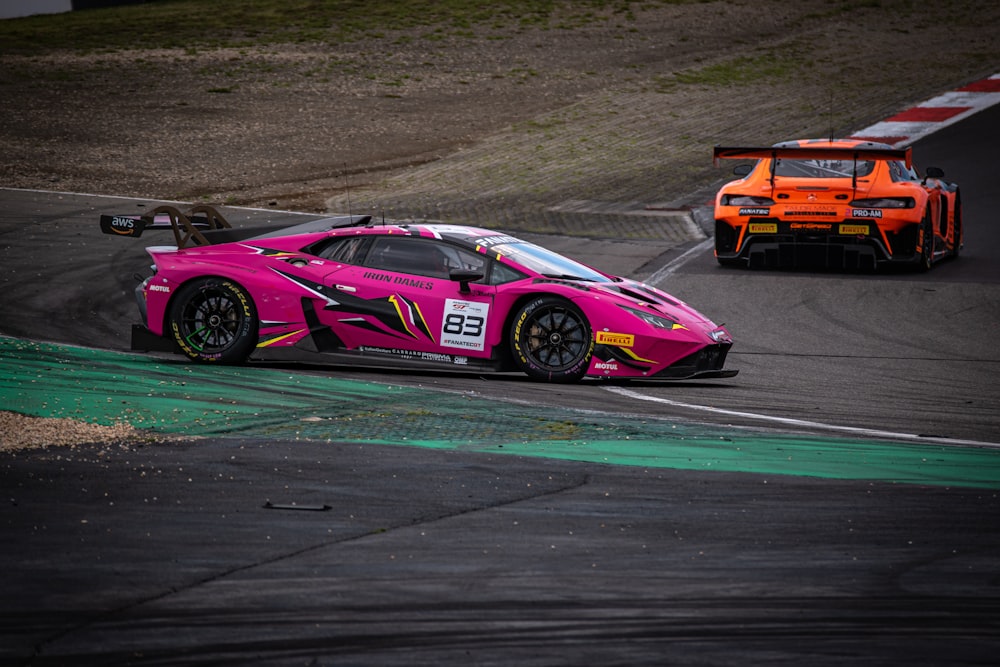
(763, 228)
(854, 230)
(618, 339)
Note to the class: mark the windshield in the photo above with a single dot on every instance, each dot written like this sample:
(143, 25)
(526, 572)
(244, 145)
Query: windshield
(548, 263)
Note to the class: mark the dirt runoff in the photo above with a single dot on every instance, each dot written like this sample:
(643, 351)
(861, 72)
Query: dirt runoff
(500, 127)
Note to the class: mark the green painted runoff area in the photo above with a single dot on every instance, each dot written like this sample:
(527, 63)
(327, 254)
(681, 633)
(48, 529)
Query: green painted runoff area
(175, 397)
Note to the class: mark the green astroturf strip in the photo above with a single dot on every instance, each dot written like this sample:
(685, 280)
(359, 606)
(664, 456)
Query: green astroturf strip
(176, 397)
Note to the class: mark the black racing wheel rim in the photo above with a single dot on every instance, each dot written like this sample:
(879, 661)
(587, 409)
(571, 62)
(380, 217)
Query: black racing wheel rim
(212, 320)
(555, 338)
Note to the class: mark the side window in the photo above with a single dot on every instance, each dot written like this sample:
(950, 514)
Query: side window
(459, 258)
(494, 273)
(900, 173)
(417, 256)
(504, 274)
(895, 172)
(408, 255)
(349, 250)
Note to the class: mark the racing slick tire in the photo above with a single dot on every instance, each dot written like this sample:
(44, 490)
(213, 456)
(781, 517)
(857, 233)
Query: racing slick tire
(214, 320)
(927, 246)
(551, 340)
(956, 233)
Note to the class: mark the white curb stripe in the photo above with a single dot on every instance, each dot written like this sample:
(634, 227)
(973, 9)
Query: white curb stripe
(801, 423)
(953, 106)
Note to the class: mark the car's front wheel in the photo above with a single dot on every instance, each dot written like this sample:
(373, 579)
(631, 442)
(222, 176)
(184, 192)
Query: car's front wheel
(551, 340)
(214, 320)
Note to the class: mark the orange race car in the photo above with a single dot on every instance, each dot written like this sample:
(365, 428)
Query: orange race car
(835, 203)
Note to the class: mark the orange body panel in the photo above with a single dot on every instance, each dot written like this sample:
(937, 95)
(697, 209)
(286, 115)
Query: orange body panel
(840, 203)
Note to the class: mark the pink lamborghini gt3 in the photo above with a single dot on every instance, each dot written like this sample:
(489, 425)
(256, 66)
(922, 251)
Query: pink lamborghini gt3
(351, 290)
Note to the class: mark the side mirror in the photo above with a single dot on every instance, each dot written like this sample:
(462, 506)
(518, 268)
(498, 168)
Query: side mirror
(934, 172)
(464, 277)
(742, 170)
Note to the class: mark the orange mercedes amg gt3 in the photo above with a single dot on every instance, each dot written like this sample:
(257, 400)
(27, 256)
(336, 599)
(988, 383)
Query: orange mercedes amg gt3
(835, 203)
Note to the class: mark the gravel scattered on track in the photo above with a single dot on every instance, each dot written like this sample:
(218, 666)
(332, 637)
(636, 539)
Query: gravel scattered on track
(21, 432)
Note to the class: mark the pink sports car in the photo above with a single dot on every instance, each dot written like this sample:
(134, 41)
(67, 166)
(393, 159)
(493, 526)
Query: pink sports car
(350, 290)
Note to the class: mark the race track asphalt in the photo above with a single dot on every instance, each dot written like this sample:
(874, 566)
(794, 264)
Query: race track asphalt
(278, 550)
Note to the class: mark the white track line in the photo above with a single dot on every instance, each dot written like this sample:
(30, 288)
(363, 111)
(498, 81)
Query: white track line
(676, 263)
(801, 423)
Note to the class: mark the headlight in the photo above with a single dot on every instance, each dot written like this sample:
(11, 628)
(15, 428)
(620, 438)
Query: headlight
(657, 321)
(720, 335)
(746, 200)
(885, 202)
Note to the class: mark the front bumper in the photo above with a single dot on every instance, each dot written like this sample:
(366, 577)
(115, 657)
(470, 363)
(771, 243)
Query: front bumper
(707, 362)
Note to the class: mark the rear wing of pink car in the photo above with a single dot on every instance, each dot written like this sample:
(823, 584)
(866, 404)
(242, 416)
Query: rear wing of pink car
(187, 227)
(204, 225)
(811, 153)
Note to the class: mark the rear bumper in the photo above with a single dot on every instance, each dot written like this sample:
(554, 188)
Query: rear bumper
(792, 244)
(801, 254)
(144, 340)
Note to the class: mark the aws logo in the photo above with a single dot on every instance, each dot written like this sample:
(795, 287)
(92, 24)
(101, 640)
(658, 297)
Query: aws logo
(124, 226)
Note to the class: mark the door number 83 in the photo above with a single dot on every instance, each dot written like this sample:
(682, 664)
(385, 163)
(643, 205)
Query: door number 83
(464, 324)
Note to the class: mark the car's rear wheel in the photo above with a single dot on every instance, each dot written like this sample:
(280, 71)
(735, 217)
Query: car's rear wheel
(551, 340)
(214, 320)
(956, 232)
(927, 246)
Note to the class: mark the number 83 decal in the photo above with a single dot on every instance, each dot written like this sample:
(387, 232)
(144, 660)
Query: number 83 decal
(464, 324)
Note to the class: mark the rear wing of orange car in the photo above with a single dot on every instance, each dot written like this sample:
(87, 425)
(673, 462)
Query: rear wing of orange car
(811, 153)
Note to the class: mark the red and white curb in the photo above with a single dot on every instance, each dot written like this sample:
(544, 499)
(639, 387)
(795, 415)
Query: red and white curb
(928, 117)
